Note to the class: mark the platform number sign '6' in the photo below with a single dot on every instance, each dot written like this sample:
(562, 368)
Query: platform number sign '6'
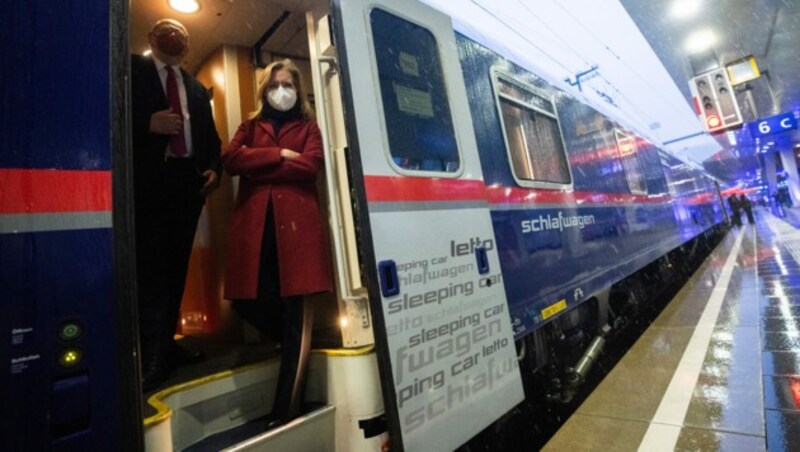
(772, 125)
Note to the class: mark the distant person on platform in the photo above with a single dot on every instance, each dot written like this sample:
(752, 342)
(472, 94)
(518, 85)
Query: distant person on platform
(784, 198)
(736, 210)
(747, 206)
(776, 204)
(278, 251)
(176, 164)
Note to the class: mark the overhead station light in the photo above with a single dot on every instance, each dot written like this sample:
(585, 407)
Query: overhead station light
(700, 40)
(684, 9)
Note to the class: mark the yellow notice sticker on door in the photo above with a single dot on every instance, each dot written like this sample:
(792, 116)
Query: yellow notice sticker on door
(554, 309)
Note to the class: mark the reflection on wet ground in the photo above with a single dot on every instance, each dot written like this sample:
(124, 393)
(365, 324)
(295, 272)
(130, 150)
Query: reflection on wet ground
(780, 326)
(746, 395)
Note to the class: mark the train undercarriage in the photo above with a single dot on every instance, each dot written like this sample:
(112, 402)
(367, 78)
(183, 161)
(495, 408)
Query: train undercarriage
(565, 360)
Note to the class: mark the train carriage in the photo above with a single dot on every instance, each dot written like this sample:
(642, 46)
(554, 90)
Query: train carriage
(573, 195)
(472, 206)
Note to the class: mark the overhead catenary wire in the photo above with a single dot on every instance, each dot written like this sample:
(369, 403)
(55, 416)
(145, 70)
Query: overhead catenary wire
(642, 126)
(630, 68)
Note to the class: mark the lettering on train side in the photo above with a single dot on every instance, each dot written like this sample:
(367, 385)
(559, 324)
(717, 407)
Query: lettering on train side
(410, 359)
(22, 363)
(463, 249)
(556, 223)
(436, 296)
(18, 335)
(449, 332)
(423, 276)
(461, 389)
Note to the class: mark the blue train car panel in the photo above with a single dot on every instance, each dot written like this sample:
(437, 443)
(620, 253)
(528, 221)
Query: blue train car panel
(61, 381)
(570, 236)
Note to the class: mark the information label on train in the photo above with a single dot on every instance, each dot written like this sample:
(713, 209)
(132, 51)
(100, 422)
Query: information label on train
(449, 332)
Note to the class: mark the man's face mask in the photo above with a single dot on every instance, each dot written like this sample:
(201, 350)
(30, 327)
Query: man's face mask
(171, 42)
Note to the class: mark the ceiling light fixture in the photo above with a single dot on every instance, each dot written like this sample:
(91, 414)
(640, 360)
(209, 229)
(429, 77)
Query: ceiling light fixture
(185, 6)
(700, 41)
(684, 9)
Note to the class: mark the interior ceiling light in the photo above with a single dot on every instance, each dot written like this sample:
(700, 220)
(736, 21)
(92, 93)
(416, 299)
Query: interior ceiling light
(700, 41)
(684, 9)
(185, 6)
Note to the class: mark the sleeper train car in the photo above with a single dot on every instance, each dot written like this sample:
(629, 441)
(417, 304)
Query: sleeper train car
(478, 215)
(563, 206)
(577, 201)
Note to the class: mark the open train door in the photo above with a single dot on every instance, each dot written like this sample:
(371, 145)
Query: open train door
(442, 329)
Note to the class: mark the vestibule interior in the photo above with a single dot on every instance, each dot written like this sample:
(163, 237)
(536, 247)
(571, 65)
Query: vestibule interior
(229, 40)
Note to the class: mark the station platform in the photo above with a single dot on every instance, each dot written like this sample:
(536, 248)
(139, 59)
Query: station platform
(719, 368)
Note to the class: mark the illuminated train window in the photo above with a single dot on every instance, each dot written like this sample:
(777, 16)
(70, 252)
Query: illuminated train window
(416, 109)
(532, 134)
(626, 144)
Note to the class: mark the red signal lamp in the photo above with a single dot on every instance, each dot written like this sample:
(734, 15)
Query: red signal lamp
(713, 122)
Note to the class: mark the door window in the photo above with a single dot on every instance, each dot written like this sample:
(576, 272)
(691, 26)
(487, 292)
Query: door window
(414, 97)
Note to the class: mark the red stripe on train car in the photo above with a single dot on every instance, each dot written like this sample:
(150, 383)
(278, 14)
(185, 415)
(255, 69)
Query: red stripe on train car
(50, 190)
(389, 188)
(397, 189)
(517, 195)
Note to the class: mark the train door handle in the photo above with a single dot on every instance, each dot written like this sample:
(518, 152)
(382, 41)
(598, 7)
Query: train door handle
(387, 273)
(483, 260)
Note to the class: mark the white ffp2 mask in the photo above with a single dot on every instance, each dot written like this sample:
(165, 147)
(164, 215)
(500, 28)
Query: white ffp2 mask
(281, 98)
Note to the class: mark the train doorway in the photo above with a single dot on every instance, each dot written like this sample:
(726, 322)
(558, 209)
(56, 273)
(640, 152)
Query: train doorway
(230, 43)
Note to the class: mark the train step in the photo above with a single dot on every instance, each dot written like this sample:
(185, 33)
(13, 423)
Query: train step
(227, 410)
(312, 431)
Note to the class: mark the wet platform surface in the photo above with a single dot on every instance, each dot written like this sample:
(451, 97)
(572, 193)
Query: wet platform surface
(719, 368)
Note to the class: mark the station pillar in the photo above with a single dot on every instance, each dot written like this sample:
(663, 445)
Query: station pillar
(770, 174)
(790, 166)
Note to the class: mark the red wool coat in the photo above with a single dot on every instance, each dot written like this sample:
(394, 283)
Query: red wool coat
(289, 186)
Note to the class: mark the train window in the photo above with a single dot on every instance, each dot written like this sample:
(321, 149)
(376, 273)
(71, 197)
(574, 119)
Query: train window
(532, 133)
(629, 156)
(416, 109)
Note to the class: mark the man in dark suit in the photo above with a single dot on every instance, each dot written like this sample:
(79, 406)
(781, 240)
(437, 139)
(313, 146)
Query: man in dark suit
(176, 163)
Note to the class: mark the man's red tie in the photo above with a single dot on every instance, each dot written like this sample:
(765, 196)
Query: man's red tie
(177, 144)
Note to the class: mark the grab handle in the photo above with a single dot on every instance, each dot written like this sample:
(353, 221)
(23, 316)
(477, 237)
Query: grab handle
(387, 271)
(483, 260)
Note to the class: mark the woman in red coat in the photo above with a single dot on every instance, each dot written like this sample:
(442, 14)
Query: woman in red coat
(277, 249)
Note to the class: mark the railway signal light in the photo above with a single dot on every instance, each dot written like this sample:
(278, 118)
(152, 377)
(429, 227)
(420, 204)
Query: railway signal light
(715, 100)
